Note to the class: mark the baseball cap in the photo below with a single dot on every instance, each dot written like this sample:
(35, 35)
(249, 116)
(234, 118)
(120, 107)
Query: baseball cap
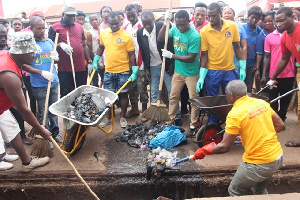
(69, 9)
(22, 43)
(80, 13)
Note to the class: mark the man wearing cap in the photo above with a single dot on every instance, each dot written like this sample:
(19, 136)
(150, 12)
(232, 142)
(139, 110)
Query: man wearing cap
(77, 48)
(21, 52)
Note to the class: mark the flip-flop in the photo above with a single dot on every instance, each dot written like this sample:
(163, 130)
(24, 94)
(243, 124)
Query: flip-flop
(292, 144)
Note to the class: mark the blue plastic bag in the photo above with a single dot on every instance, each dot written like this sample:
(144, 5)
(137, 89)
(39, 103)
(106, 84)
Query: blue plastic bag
(168, 138)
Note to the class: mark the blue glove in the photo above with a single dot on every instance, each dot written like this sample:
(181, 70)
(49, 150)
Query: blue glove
(200, 82)
(135, 70)
(242, 69)
(95, 62)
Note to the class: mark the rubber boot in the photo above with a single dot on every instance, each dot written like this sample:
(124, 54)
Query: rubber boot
(134, 110)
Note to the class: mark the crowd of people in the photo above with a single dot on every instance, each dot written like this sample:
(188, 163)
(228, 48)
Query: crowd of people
(208, 54)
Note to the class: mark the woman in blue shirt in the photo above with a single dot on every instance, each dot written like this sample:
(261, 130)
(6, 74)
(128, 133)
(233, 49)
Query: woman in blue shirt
(268, 23)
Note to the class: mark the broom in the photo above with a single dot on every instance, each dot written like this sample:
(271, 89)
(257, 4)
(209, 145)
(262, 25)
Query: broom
(158, 111)
(71, 59)
(41, 146)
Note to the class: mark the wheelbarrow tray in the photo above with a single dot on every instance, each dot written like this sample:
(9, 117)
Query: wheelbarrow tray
(218, 105)
(60, 107)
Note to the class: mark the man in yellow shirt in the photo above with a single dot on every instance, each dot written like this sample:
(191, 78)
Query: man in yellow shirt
(257, 124)
(119, 53)
(216, 63)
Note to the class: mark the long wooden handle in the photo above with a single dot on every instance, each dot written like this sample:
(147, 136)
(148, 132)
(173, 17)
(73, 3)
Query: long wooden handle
(164, 59)
(71, 59)
(49, 83)
(74, 169)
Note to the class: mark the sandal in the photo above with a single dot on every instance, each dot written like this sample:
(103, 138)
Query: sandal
(292, 144)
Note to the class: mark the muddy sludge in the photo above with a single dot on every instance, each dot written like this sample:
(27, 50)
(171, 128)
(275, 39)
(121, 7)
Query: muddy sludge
(173, 184)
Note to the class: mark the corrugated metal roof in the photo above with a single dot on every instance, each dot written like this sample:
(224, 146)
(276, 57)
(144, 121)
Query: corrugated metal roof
(94, 7)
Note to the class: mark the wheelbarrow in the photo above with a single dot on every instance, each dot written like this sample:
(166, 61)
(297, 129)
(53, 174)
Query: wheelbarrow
(219, 107)
(74, 138)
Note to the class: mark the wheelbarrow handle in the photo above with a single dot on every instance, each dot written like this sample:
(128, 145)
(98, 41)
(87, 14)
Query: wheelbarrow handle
(123, 86)
(285, 94)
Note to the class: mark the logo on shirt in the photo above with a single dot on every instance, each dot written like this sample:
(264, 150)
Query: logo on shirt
(178, 46)
(118, 41)
(227, 34)
(297, 47)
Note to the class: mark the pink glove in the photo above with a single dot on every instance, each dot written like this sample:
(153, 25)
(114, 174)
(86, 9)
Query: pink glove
(206, 150)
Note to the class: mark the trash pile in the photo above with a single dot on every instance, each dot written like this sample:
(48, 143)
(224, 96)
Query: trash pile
(152, 136)
(139, 135)
(158, 160)
(87, 107)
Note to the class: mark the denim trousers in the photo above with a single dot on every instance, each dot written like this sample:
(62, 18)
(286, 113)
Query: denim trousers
(52, 120)
(154, 85)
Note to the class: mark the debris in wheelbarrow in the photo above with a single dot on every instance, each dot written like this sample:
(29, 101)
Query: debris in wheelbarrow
(87, 107)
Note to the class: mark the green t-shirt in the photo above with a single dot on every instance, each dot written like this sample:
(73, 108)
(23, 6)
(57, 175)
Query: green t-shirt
(184, 43)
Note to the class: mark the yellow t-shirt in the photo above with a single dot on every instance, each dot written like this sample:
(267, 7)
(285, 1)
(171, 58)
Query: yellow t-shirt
(116, 45)
(252, 119)
(219, 45)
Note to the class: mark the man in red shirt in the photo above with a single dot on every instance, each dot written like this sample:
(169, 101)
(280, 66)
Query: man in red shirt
(77, 48)
(22, 52)
(290, 44)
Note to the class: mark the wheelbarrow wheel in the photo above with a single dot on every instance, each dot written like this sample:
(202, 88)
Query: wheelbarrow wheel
(71, 136)
(207, 132)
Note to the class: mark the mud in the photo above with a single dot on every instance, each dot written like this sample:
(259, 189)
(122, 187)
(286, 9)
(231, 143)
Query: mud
(173, 184)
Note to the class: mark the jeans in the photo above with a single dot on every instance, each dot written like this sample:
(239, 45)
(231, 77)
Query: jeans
(51, 120)
(178, 82)
(154, 85)
(253, 176)
(66, 81)
(216, 79)
(114, 81)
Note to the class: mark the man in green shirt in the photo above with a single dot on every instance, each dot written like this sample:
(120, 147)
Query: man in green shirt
(186, 42)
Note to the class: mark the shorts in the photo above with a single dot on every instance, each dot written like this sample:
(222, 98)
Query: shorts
(114, 81)
(9, 127)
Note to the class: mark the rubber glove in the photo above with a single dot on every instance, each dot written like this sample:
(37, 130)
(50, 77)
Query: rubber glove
(168, 15)
(202, 152)
(271, 83)
(135, 70)
(95, 62)
(167, 54)
(242, 69)
(54, 56)
(68, 49)
(47, 75)
(200, 82)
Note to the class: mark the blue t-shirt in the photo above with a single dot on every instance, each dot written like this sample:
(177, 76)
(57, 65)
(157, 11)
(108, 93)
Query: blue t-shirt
(243, 36)
(251, 44)
(184, 43)
(260, 41)
(42, 61)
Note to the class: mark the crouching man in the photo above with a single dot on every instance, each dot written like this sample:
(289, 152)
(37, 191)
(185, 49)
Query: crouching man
(257, 124)
(22, 52)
